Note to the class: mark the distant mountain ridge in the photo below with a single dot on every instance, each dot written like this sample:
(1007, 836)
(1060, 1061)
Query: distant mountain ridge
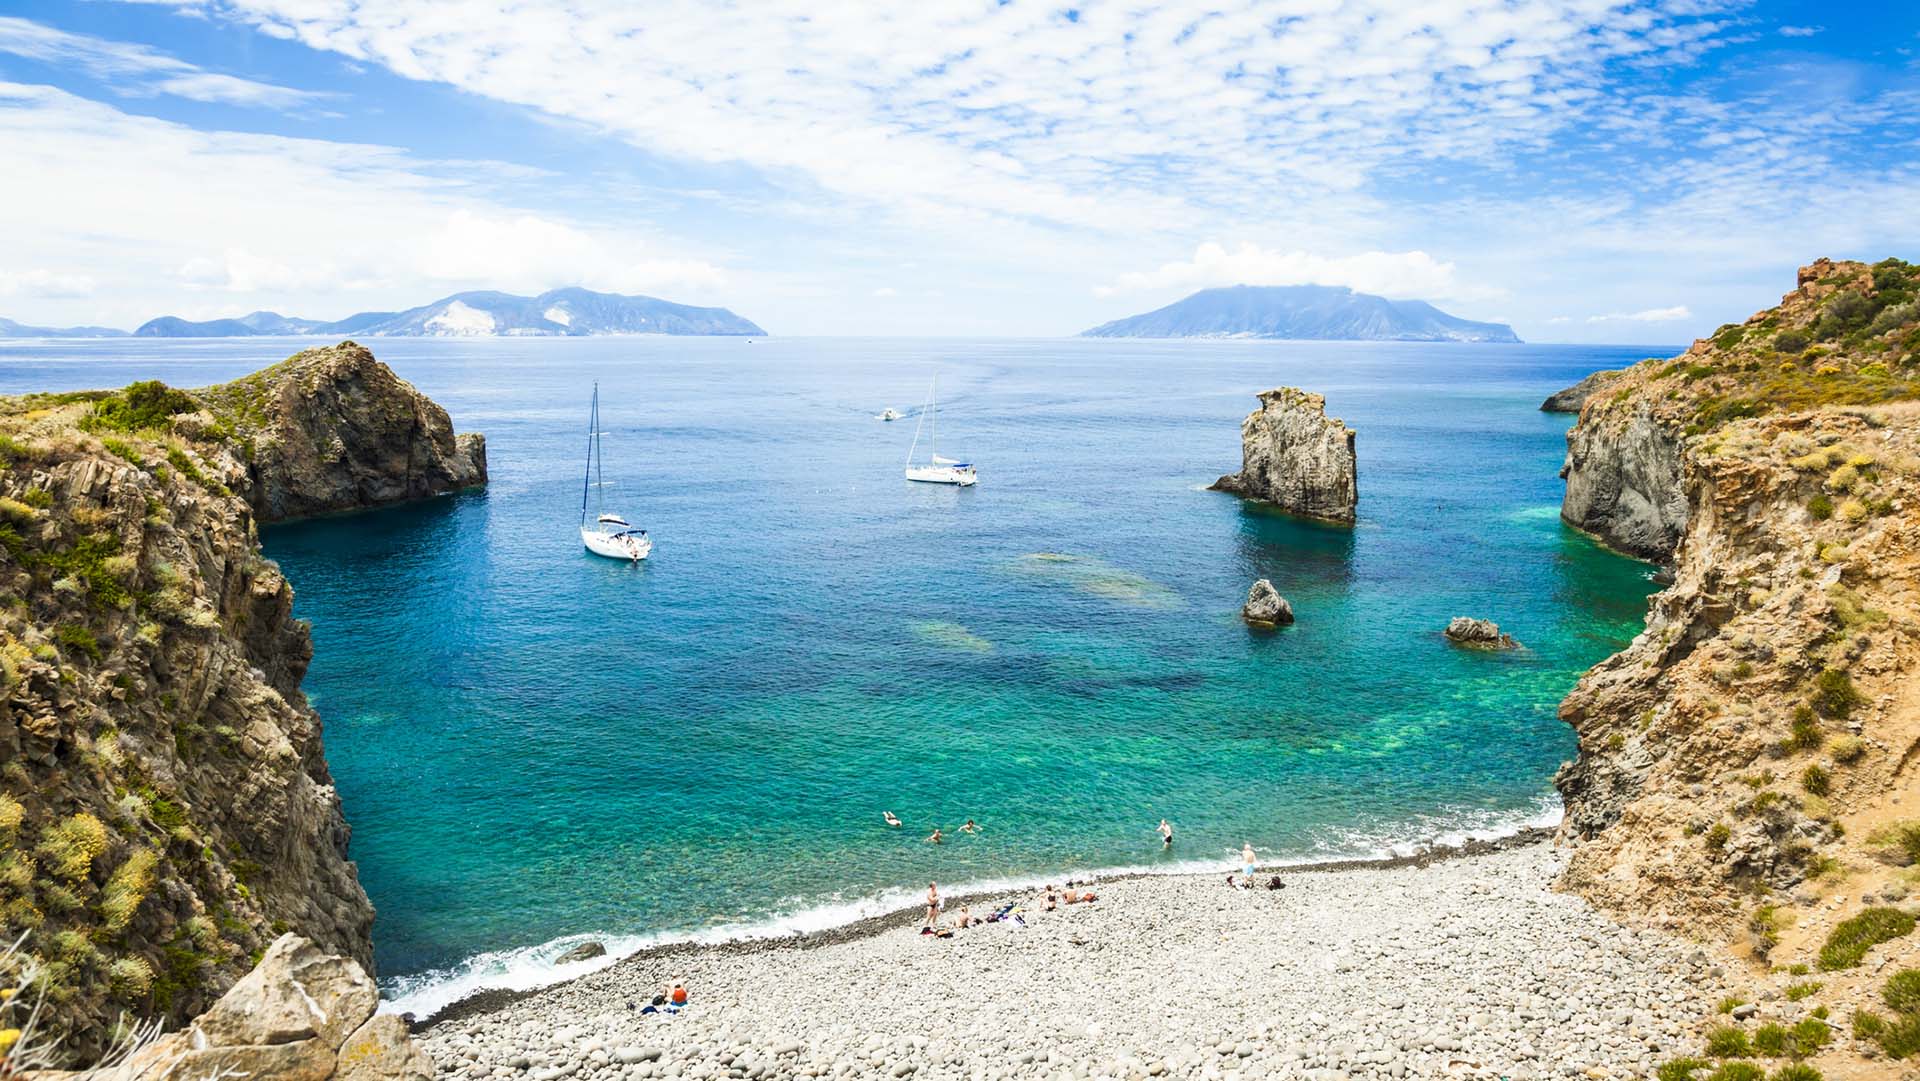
(572, 312)
(1307, 312)
(11, 329)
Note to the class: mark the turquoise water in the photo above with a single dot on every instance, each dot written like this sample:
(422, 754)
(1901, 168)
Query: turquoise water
(533, 744)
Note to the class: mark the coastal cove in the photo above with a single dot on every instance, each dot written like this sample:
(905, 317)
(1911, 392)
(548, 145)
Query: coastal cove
(532, 746)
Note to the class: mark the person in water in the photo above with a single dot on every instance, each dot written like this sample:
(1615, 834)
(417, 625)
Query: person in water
(891, 820)
(969, 827)
(934, 838)
(1166, 834)
(1246, 859)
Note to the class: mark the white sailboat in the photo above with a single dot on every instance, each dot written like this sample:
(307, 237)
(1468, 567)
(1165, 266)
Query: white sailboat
(609, 534)
(938, 470)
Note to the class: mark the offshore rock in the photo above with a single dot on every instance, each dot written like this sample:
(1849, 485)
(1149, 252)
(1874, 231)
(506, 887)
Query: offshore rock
(1297, 458)
(300, 1015)
(1572, 398)
(1478, 634)
(164, 795)
(1265, 606)
(333, 429)
(586, 951)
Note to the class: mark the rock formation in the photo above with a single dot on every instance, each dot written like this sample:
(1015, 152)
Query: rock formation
(1572, 398)
(165, 806)
(334, 429)
(1478, 634)
(1296, 457)
(1265, 606)
(1741, 757)
(301, 1015)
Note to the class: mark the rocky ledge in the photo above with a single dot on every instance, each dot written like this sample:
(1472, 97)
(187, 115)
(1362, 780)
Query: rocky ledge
(166, 810)
(1296, 457)
(1478, 634)
(1265, 606)
(1572, 398)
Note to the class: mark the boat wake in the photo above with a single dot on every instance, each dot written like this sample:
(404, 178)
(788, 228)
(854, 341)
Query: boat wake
(531, 967)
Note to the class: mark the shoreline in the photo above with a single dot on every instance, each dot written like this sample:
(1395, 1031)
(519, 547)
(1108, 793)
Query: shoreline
(490, 1001)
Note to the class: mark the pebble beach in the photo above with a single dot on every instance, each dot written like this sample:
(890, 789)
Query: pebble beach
(1464, 967)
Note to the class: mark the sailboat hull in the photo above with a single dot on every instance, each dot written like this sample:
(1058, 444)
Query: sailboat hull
(616, 545)
(942, 474)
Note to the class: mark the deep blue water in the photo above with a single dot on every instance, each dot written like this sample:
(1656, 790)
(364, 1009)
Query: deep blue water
(533, 743)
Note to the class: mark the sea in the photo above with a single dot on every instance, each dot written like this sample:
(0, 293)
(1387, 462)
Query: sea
(537, 747)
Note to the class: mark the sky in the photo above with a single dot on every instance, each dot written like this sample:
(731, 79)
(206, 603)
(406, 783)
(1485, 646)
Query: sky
(1586, 170)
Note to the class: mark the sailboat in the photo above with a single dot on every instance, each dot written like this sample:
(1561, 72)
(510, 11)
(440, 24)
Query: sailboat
(609, 534)
(939, 470)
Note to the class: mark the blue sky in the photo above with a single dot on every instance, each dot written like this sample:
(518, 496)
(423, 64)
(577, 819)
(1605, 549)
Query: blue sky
(1588, 170)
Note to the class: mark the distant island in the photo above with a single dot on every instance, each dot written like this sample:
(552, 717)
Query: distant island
(557, 313)
(1309, 312)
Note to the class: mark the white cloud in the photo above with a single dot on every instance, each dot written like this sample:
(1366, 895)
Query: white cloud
(1393, 274)
(216, 223)
(1800, 31)
(40, 282)
(1133, 116)
(138, 69)
(1650, 315)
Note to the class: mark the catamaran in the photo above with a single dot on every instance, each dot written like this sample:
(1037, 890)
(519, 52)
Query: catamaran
(609, 535)
(939, 470)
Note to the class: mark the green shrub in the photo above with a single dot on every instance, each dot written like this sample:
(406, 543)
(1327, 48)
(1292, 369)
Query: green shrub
(1738, 1071)
(130, 978)
(1816, 780)
(1799, 991)
(1902, 992)
(1790, 341)
(1727, 1041)
(1804, 733)
(1809, 1036)
(1897, 842)
(1771, 1040)
(1820, 507)
(1850, 939)
(1848, 749)
(1728, 1003)
(1680, 1069)
(143, 405)
(1718, 836)
(1796, 1071)
(1834, 694)
(76, 638)
(1898, 1036)
(129, 886)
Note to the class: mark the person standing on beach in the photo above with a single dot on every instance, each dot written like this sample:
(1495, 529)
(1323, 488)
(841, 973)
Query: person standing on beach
(1247, 858)
(1166, 834)
(933, 903)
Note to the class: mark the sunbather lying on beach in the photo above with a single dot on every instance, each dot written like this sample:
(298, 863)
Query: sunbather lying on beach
(1074, 898)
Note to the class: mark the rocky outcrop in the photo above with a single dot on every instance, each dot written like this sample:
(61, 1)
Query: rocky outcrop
(301, 1015)
(1265, 606)
(1572, 398)
(1296, 457)
(1623, 484)
(166, 810)
(1478, 634)
(1762, 727)
(333, 429)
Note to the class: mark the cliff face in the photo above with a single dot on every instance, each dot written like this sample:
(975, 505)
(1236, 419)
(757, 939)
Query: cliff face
(1296, 457)
(1572, 398)
(1823, 345)
(165, 805)
(1741, 759)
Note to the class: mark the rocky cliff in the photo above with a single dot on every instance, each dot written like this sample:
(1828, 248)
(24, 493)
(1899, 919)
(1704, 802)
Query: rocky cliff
(1742, 761)
(165, 805)
(1297, 458)
(1572, 398)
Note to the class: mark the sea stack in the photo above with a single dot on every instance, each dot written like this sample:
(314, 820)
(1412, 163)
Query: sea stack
(1478, 634)
(1265, 607)
(1297, 458)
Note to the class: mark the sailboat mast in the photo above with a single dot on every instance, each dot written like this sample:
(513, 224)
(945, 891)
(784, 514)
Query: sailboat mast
(599, 458)
(933, 425)
(593, 427)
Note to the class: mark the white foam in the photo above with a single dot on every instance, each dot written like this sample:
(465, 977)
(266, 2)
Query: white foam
(531, 967)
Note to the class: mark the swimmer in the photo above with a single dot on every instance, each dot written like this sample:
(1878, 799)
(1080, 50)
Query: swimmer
(891, 820)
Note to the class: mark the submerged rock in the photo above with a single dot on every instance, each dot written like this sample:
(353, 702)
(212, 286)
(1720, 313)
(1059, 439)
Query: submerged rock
(1296, 457)
(586, 951)
(1572, 398)
(1478, 634)
(1265, 606)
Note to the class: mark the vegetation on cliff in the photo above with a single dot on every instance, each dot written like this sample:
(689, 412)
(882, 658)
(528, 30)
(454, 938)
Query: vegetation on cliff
(1742, 763)
(165, 806)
